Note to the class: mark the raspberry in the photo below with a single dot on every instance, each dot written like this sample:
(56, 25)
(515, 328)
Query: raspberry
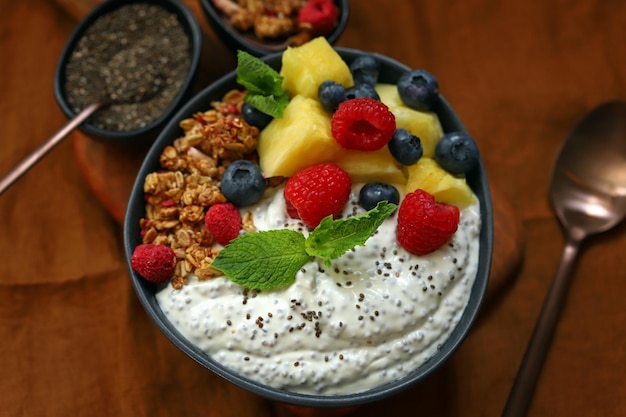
(423, 224)
(223, 221)
(322, 15)
(155, 263)
(363, 124)
(316, 192)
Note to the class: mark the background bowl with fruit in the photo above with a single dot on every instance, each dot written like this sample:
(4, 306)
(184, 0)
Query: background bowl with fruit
(275, 30)
(285, 159)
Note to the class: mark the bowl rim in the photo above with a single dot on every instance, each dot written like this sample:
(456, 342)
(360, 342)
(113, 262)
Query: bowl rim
(234, 40)
(477, 180)
(191, 27)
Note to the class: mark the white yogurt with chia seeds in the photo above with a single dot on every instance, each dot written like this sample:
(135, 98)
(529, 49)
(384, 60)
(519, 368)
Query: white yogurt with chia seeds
(374, 316)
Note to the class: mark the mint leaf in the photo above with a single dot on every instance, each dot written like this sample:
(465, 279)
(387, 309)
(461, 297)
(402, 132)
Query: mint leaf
(263, 85)
(263, 260)
(273, 105)
(256, 76)
(332, 238)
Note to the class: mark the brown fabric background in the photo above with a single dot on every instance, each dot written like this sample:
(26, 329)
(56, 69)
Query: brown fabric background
(75, 341)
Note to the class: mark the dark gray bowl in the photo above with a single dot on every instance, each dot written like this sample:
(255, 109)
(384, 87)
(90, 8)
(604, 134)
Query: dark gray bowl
(477, 179)
(191, 27)
(235, 40)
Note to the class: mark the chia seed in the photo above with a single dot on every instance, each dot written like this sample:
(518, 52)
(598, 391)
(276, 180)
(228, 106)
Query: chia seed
(136, 44)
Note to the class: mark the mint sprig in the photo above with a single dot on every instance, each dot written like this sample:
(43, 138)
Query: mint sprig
(272, 258)
(264, 86)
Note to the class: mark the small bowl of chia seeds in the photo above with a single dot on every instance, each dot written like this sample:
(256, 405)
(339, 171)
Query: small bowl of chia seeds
(277, 26)
(139, 58)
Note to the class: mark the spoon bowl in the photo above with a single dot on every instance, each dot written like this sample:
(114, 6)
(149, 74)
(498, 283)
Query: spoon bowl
(588, 187)
(588, 193)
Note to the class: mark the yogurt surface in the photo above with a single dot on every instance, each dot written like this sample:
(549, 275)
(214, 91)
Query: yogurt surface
(374, 316)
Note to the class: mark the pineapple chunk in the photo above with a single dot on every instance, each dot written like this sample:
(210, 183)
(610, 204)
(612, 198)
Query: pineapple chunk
(427, 175)
(302, 137)
(305, 67)
(371, 166)
(423, 124)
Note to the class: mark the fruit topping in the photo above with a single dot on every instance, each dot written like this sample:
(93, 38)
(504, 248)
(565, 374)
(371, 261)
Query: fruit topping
(331, 95)
(423, 224)
(427, 175)
(423, 124)
(362, 90)
(365, 70)
(155, 263)
(456, 152)
(363, 124)
(305, 67)
(418, 89)
(322, 125)
(254, 116)
(223, 221)
(243, 183)
(405, 147)
(374, 192)
(316, 192)
(321, 15)
(302, 137)
(364, 167)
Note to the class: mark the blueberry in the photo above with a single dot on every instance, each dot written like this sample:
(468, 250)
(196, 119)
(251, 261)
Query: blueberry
(361, 91)
(418, 89)
(456, 152)
(243, 183)
(405, 147)
(374, 192)
(365, 70)
(331, 95)
(254, 116)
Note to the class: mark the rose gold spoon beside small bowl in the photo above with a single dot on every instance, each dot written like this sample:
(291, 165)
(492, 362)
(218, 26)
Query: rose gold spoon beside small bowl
(135, 87)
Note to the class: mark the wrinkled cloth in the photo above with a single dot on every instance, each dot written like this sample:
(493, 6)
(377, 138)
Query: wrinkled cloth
(74, 339)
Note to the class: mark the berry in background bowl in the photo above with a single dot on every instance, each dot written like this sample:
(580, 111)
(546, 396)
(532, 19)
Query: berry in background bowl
(141, 57)
(354, 275)
(270, 30)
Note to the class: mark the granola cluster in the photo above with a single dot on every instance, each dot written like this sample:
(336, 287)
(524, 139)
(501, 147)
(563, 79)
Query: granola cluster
(178, 196)
(268, 19)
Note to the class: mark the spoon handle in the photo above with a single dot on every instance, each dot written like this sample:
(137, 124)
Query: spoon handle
(528, 373)
(34, 157)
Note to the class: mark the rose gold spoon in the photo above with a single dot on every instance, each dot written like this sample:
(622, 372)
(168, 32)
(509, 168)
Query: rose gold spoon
(588, 193)
(134, 87)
